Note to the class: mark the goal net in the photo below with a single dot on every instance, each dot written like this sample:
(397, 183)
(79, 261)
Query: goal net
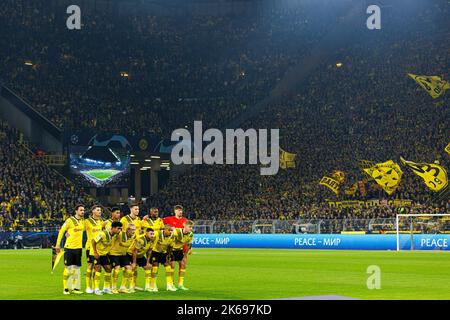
(415, 231)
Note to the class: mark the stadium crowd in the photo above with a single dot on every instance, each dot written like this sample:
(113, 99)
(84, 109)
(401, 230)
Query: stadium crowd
(32, 196)
(211, 69)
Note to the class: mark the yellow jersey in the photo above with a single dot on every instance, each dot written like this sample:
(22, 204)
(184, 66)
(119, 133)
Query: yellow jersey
(73, 228)
(93, 226)
(142, 244)
(104, 242)
(107, 224)
(121, 244)
(180, 238)
(157, 224)
(126, 220)
(163, 242)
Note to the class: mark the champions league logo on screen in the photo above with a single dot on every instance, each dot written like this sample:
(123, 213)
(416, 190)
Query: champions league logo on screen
(105, 159)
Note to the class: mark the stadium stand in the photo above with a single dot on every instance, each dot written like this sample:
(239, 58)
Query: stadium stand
(212, 68)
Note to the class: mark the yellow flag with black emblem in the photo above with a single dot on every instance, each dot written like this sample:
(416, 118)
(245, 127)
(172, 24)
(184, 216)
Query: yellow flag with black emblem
(330, 183)
(434, 175)
(434, 85)
(387, 174)
(287, 159)
(447, 148)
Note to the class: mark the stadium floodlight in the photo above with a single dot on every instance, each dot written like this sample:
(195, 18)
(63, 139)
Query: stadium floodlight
(428, 224)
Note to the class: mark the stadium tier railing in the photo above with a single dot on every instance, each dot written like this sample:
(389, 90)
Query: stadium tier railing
(299, 226)
(333, 225)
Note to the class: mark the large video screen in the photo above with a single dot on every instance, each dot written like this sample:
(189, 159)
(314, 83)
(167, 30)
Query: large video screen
(104, 159)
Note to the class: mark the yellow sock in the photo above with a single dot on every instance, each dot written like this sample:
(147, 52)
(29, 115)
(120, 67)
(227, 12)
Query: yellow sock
(148, 275)
(115, 278)
(131, 278)
(154, 274)
(97, 280)
(66, 275)
(181, 277)
(107, 282)
(169, 279)
(88, 278)
(124, 279)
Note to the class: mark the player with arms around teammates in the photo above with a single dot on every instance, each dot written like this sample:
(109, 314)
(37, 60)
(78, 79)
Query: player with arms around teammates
(181, 246)
(101, 246)
(119, 258)
(140, 253)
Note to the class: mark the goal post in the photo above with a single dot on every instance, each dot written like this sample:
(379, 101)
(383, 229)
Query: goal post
(420, 224)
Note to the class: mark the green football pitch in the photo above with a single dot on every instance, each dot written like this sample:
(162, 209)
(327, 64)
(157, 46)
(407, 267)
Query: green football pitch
(254, 274)
(103, 174)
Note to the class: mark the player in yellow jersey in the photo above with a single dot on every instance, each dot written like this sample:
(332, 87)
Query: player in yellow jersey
(119, 258)
(73, 229)
(133, 218)
(181, 237)
(140, 253)
(159, 256)
(153, 221)
(94, 224)
(101, 245)
(115, 216)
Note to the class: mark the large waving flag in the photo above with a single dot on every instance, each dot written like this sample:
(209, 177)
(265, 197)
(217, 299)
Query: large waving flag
(434, 175)
(287, 159)
(434, 85)
(387, 174)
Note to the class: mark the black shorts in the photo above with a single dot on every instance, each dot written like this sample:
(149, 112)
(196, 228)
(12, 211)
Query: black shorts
(177, 255)
(140, 262)
(102, 261)
(72, 257)
(119, 261)
(158, 257)
(89, 258)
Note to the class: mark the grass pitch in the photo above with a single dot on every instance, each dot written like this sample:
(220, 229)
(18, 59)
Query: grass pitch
(253, 274)
(101, 174)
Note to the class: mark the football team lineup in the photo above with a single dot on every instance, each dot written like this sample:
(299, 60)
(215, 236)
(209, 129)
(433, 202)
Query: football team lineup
(122, 257)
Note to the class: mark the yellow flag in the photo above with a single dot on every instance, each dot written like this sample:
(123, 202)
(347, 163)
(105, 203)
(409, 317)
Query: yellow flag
(287, 159)
(447, 148)
(387, 174)
(56, 257)
(330, 183)
(434, 175)
(434, 85)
